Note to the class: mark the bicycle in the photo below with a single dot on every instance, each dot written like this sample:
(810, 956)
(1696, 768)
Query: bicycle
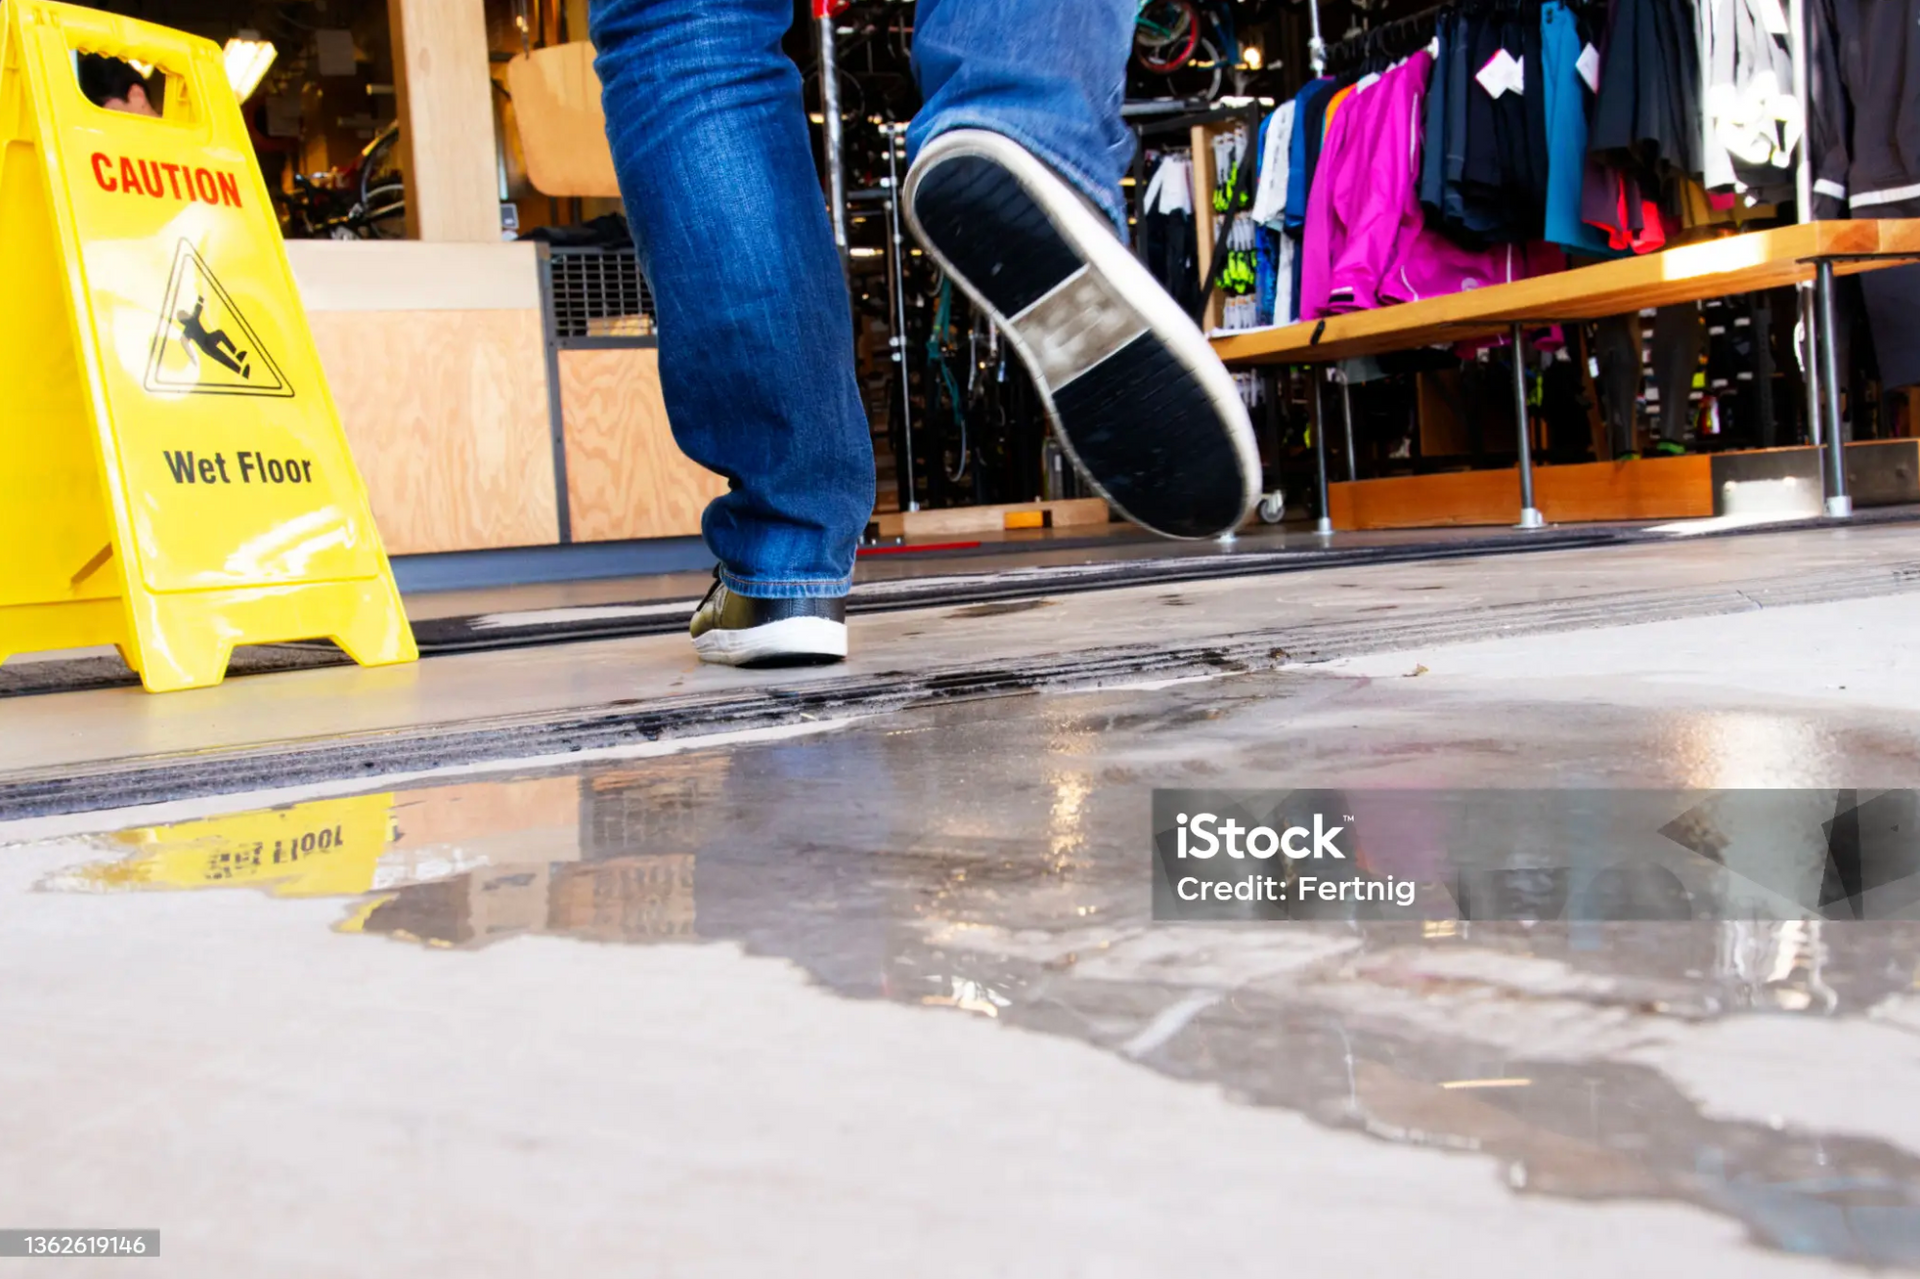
(365, 201)
(1188, 43)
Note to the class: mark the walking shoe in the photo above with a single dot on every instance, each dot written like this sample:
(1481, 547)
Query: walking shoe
(1137, 397)
(744, 630)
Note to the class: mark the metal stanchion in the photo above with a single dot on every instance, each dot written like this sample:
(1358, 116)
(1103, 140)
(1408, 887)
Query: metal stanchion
(1839, 505)
(830, 127)
(1529, 514)
(897, 285)
(1324, 526)
(1346, 411)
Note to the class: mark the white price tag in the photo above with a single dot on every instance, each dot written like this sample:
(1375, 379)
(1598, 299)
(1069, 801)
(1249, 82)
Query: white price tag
(1502, 73)
(1588, 65)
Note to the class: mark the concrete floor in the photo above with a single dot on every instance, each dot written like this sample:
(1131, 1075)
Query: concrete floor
(53, 734)
(880, 995)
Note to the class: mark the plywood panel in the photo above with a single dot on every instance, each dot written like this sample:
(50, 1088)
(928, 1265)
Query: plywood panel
(445, 85)
(1426, 501)
(625, 475)
(447, 415)
(1668, 488)
(1648, 488)
(955, 520)
(1737, 264)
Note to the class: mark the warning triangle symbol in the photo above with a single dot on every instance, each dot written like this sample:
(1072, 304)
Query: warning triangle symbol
(204, 345)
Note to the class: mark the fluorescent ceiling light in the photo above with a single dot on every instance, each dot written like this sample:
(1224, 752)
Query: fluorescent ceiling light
(248, 58)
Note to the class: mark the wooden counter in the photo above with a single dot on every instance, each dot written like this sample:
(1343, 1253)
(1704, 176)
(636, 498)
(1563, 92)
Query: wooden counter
(438, 358)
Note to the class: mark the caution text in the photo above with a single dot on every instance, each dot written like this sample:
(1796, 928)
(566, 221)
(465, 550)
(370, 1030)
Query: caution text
(165, 180)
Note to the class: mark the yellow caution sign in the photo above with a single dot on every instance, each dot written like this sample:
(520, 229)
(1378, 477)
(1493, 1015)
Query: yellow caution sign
(173, 477)
(322, 848)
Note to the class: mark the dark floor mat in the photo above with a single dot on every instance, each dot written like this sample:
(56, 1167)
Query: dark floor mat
(442, 636)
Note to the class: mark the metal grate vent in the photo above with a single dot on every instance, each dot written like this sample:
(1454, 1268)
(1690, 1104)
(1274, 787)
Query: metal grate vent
(599, 293)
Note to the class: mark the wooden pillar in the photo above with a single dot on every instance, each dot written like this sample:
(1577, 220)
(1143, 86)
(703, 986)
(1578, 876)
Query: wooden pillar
(446, 119)
(1201, 136)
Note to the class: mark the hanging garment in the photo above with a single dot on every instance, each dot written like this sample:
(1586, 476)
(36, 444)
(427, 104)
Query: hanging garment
(1309, 120)
(1433, 128)
(1617, 377)
(1486, 142)
(1316, 108)
(1646, 117)
(1865, 108)
(1503, 195)
(1168, 238)
(1435, 266)
(1612, 197)
(1567, 104)
(1613, 202)
(1678, 337)
(1233, 190)
(1864, 136)
(1893, 313)
(1308, 105)
(1276, 248)
(1356, 205)
(1753, 121)
(1367, 243)
(1170, 189)
(1270, 194)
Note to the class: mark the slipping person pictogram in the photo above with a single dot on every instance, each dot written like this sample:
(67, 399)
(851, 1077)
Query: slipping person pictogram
(213, 343)
(205, 344)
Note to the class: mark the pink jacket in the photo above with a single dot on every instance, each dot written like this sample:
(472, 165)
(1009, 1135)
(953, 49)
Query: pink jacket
(1366, 242)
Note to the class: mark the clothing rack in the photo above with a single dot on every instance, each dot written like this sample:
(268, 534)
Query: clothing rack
(1816, 302)
(1403, 36)
(1385, 38)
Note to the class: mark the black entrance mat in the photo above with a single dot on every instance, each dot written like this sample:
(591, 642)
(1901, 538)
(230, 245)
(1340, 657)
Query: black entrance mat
(568, 625)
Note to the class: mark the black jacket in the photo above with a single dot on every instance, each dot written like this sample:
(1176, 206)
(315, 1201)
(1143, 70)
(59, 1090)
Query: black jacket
(1646, 117)
(1865, 108)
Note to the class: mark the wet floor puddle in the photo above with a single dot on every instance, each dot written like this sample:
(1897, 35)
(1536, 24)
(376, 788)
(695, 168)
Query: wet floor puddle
(1336, 1021)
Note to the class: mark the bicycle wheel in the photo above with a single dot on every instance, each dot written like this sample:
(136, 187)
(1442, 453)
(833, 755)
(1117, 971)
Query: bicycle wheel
(1200, 77)
(384, 216)
(379, 166)
(1165, 34)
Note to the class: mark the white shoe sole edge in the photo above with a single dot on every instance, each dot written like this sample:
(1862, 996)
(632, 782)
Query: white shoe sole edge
(790, 637)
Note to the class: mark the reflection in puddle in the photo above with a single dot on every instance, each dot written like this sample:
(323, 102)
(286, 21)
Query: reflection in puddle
(871, 862)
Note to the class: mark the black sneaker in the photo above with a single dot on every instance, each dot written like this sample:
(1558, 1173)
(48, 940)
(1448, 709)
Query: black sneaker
(742, 630)
(1137, 397)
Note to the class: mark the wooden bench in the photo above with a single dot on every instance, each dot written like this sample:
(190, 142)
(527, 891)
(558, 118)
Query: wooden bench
(1743, 263)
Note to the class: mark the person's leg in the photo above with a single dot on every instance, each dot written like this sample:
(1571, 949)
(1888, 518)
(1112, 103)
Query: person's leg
(1050, 76)
(1014, 190)
(705, 118)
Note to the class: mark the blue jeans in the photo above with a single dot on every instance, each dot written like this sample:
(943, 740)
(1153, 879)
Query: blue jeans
(711, 143)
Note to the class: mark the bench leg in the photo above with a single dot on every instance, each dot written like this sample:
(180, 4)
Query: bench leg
(1529, 514)
(1346, 412)
(1839, 504)
(1324, 526)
